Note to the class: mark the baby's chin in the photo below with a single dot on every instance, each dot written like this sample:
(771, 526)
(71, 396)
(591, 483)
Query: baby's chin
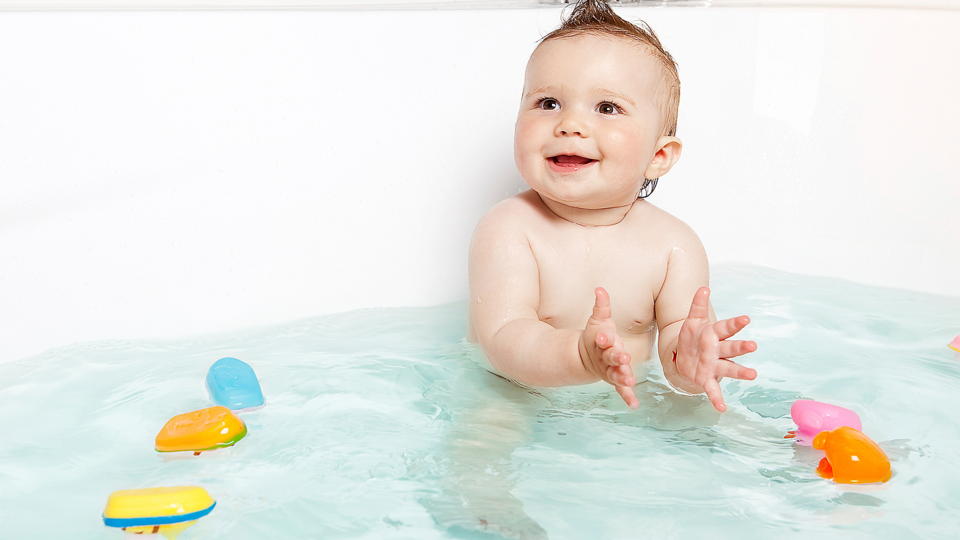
(581, 201)
(582, 193)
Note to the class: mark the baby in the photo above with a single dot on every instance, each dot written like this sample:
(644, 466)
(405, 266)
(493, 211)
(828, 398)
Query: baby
(571, 280)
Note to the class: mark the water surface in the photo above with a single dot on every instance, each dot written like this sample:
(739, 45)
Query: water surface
(381, 423)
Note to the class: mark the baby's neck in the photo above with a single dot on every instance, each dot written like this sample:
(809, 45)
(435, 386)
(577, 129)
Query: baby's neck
(588, 217)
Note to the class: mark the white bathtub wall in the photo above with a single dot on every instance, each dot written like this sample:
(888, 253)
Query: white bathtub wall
(171, 173)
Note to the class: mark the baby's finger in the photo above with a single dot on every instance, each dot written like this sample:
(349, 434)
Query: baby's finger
(731, 349)
(729, 368)
(626, 392)
(712, 388)
(614, 356)
(700, 307)
(620, 376)
(731, 326)
(604, 341)
(601, 305)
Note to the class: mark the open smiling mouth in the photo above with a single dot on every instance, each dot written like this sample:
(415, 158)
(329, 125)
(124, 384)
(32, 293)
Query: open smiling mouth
(568, 163)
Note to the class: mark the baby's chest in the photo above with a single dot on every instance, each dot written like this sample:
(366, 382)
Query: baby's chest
(570, 271)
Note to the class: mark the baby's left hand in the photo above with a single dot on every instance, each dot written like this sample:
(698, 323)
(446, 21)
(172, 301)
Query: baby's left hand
(703, 352)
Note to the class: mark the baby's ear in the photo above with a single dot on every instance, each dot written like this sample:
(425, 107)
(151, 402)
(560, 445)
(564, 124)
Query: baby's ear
(668, 152)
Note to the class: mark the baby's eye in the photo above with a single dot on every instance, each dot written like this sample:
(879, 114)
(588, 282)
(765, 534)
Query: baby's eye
(548, 104)
(609, 107)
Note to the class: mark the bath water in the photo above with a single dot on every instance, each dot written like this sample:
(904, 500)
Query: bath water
(382, 423)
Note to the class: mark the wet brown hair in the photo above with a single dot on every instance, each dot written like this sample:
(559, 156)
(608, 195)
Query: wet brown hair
(597, 18)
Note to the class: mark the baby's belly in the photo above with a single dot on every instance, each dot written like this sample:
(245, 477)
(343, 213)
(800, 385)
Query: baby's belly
(638, 333)
(640, 346)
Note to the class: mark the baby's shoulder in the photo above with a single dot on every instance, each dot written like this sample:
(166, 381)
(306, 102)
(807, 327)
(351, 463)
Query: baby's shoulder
(670, 230)
(515, 214)
(504, 232)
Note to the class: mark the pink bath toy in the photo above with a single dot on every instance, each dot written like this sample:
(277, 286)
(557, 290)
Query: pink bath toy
(812, 417)
(955, 344)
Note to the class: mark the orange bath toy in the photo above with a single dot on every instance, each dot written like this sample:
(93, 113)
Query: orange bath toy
(852, 457)
(198, 431)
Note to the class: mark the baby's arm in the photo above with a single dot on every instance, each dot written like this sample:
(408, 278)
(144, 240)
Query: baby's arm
(689, 327)
(504, 296)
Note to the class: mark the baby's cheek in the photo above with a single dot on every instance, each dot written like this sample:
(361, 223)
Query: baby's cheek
(525, 136)
(526, 147)
(629, 148)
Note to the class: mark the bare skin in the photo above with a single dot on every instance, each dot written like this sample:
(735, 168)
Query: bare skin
(572, 281)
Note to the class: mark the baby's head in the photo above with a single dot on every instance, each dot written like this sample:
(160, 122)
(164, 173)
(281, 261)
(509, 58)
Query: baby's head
(599, 111)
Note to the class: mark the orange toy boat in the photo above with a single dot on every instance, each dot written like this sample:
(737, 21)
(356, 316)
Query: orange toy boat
(852, 457)
(199, 431)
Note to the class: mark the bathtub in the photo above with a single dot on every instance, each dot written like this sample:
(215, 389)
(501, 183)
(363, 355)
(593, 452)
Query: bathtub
(171, 173)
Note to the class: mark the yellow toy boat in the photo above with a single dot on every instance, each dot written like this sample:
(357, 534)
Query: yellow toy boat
(198, 431)
(164, 510)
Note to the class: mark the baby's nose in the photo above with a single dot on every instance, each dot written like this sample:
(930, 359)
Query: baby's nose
(569, 126)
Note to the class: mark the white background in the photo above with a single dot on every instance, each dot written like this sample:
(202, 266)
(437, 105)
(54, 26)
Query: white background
(170, 173)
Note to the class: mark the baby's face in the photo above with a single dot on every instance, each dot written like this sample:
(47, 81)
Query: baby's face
(594, 97)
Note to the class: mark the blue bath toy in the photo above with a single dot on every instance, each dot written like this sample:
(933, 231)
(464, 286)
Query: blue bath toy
(233, 384)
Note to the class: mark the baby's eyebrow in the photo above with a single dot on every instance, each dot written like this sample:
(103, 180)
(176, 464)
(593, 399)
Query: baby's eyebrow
(537, 91)
(617, 94)
(597, 90)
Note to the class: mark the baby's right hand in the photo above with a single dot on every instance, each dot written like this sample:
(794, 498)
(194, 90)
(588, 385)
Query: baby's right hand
(601, 350)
